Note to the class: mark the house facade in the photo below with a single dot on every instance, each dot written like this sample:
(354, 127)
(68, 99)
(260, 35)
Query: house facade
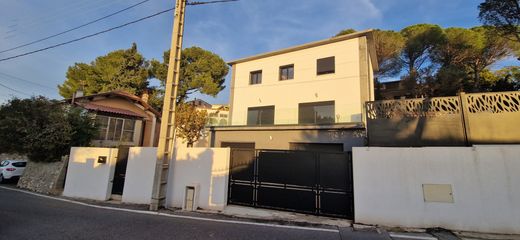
(123, 119)
(303, 97)
(218, 114)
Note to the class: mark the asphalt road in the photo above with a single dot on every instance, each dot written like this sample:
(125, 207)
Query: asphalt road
(26, 216)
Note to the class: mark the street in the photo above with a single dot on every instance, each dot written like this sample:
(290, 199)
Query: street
(29, 216)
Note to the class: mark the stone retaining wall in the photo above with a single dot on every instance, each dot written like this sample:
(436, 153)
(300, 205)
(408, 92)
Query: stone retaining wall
(47, 178)
(8, 156)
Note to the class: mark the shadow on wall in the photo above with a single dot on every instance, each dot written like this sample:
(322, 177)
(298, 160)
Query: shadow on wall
(207, 168)
(87, 176)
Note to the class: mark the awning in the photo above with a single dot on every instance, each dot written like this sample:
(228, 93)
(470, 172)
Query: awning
(101, 108)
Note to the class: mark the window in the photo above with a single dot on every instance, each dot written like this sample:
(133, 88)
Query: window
(316, 112)
(223, 115)
(19, 164)
(102, 122)
(287, 72)
(128, 130)
(4, 163)
(115, 129)
(255, 77)
(325, 66)
(260, 115)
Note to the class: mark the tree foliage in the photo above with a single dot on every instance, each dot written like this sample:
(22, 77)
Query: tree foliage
(506, 79)
(420, 40)
(504, 15)
(346, 31)
(432, 61)
(190, 123)
(464, 56)
(388, 46)
(124, 69)
(43, 130)
(201, 71)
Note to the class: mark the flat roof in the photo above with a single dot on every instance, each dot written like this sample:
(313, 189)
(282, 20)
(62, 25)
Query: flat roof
(368, 33)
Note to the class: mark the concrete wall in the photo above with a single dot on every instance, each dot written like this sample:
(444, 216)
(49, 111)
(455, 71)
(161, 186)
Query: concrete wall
(280, 138)
(476, 118)
(86, 178)
(343, 86)
(492, 117)
(207, 168)
(139, 176)
(485, 180)
(416, 122)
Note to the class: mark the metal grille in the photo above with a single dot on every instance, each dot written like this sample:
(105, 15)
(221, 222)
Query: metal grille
(318, 183)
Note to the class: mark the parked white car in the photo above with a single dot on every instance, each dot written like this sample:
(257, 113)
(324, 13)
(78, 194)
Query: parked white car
(11, 168)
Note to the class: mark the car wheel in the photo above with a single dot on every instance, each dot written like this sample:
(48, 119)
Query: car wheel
(1, 178)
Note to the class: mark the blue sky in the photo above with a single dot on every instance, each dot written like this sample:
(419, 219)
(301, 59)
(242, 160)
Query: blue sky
(232, 30)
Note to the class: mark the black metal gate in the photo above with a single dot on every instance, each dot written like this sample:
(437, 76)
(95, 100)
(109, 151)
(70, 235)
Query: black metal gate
(120, 171)
(318, 183)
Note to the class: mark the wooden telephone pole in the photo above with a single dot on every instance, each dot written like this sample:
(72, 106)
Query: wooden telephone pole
(167, 134)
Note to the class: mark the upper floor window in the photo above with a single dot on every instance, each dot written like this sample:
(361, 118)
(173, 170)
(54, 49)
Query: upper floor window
(316, 112)
(260, 115)
(325, 65)
(255, 77)
(115, 129)
(287, 72)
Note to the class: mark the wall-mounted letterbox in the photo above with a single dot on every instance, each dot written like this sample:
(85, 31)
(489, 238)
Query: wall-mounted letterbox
(102, 159)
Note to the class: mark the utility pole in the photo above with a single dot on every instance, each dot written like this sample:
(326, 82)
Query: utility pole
(167, 134)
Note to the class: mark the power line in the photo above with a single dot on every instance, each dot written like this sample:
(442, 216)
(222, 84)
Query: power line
(109, 29)
(209, 2)
(75, 28)
(27, 81)
(14, 90)
(57, 13)
(87, 36)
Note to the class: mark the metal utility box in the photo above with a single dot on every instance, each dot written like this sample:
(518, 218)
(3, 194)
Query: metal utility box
(438, 193)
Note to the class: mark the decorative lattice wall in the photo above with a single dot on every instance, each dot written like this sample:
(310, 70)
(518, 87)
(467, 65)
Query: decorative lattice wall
(477, 118)
(413, 108)
(493, 102)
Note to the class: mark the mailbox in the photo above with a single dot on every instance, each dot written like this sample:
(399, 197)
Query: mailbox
(102, 159)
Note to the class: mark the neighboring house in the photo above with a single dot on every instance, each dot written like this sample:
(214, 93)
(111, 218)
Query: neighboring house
(218, 114)
(309, 96)
(393, 90)
(124, 119)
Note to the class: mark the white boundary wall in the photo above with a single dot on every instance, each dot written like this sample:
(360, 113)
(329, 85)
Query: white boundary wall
(140, 170)
(485, 181)
(86, 178)
(205, 168)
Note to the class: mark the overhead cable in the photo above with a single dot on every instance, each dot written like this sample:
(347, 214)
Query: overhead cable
(75, 28)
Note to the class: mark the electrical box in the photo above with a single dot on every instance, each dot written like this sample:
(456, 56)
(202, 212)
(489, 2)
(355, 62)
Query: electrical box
(191, 198)
(442, 193)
